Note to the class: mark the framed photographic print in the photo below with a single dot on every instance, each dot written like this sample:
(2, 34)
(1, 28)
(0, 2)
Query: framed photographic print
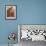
(10, 12)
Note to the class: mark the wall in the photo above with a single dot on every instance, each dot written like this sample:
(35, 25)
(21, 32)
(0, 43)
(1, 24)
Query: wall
(28, 12)
(33, 12)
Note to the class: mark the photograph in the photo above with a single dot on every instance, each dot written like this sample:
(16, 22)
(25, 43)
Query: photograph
(10, 12)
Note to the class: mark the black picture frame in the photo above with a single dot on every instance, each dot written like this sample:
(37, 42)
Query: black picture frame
(10, 16)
